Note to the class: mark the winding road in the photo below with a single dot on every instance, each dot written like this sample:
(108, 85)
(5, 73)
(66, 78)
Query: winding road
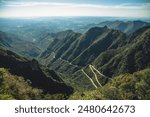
(91, 67)
(89, 78)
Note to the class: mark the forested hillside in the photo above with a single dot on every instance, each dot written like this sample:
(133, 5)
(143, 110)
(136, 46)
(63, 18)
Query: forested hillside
(110, 51)
(104, 60)
(127, 86)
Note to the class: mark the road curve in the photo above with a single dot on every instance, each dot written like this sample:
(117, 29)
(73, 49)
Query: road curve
(95, 75)
(89, 78)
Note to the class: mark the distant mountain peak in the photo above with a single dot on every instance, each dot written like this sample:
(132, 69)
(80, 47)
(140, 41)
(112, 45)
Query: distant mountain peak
(97, 29)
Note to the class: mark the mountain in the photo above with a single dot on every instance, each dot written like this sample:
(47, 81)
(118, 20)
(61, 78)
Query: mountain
(107, 39)
(39, 28)
(15, 87)
(109, 51)
(126, 27)
(127, 86)
(133, 56)
(5, 40)
(44, 40)
(82, 49)
(60, 52)
(14, 43)
(61, 42)
(106, 60)
(69, 55)
(39, 76)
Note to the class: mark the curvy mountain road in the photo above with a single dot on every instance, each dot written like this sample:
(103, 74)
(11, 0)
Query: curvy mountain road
(89, 78)
(91, 67)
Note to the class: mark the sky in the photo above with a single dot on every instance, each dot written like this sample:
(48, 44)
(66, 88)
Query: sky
(39, 8)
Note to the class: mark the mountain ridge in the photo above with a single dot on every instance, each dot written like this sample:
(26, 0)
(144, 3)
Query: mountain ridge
(14, 43)
(113, 60)
(40, 76)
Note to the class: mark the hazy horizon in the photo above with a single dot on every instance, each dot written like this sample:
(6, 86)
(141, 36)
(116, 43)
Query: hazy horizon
(70, 8)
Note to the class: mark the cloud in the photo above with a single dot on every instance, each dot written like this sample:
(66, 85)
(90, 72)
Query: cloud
(30, 4)
(74, 9)
(134, 6)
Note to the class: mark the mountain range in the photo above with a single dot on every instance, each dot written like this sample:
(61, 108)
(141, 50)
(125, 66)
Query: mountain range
(70, 64)
(39, 76)
(124, 26)
(14, 43)
(111, 51)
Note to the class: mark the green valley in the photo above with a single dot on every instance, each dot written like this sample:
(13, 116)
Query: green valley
(74, 58)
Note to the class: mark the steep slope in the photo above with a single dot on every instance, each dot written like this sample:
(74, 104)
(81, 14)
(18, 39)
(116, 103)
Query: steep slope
(40, 76)
(83, 42)
(134, 86)
(134, 56)
(75, 47)
(12, 42)
(21, 88)
(126, 27)
(61, 43)
(72, 53)
(101, 44)
(5, 40)
(44, 40)
(111, 52)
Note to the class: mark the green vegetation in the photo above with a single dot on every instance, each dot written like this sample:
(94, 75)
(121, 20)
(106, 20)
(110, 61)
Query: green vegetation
(133, 56)
(15, 87)
(67, 56)
(125, 86)
(14, 43)
(110, 51)
(40, 76)
(126, 27)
